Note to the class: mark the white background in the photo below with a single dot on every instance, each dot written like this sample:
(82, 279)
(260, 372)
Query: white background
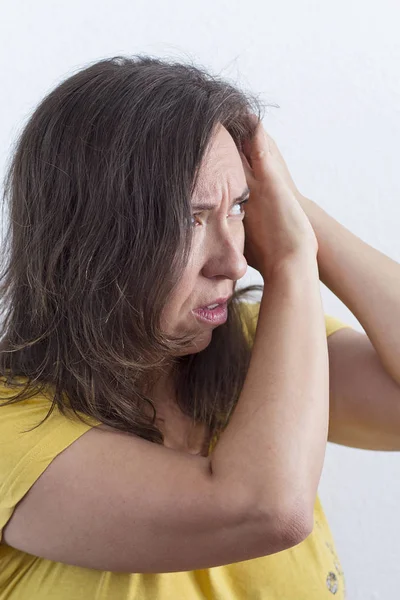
(333, 69)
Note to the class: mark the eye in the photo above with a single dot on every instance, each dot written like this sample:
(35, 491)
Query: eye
(194, 222)
(238, 204)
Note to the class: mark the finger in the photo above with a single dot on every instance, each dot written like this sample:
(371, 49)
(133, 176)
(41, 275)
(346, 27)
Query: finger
(246, 167)
(244, 160)
(258, 152)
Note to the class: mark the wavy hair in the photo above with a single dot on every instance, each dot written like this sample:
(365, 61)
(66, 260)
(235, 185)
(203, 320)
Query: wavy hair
(99, 232)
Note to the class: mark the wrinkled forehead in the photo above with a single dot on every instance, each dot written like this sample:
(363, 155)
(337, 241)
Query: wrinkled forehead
(221, 168)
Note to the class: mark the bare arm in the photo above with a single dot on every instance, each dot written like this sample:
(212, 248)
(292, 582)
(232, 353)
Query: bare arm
(113, 501)
(275, 442)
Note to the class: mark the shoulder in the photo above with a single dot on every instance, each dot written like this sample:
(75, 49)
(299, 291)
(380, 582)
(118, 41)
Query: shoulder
(29, 442)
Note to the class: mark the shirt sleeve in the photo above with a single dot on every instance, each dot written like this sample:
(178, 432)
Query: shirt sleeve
(24, 455)
(250, 313)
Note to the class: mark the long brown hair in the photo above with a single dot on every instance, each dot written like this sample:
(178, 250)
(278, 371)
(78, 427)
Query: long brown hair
(98, 196)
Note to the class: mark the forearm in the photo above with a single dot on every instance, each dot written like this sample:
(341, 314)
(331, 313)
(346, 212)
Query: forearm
(364, 279)
(274, 444)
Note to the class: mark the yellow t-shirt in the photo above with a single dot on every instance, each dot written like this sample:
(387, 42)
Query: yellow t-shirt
(309, 571)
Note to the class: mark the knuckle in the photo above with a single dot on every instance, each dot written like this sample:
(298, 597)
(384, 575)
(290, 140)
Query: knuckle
(259, 154)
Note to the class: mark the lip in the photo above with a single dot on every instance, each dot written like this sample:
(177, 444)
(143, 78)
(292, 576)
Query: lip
(216, 301)
(216, 316)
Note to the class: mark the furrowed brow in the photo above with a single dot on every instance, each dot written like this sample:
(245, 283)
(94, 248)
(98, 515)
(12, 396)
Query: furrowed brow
(242, 197)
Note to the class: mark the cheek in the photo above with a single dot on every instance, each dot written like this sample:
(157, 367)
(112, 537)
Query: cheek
(180, 303)
(184, 296)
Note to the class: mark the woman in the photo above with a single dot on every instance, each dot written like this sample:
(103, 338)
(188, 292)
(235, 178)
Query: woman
(127, 221)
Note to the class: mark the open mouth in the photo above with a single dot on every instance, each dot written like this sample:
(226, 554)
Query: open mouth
(216, 315)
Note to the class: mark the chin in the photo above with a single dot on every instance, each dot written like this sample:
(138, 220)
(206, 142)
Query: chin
(201, 342)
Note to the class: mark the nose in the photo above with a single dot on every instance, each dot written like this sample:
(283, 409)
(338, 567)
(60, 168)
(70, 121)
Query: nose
(226, 258)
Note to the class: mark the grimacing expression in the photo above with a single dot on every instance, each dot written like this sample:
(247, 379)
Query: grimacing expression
(216, 260)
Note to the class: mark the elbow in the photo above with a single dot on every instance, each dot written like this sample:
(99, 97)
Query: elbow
(291, 524)
(295, 524)
(297, 527)
(275, 525)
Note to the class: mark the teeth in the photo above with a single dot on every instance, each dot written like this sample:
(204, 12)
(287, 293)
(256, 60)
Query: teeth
(212, 306)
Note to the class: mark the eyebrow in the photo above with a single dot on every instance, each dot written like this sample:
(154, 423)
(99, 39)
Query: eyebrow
(242, 197)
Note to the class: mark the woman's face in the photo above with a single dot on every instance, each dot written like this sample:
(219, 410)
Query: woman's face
(216, 260)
